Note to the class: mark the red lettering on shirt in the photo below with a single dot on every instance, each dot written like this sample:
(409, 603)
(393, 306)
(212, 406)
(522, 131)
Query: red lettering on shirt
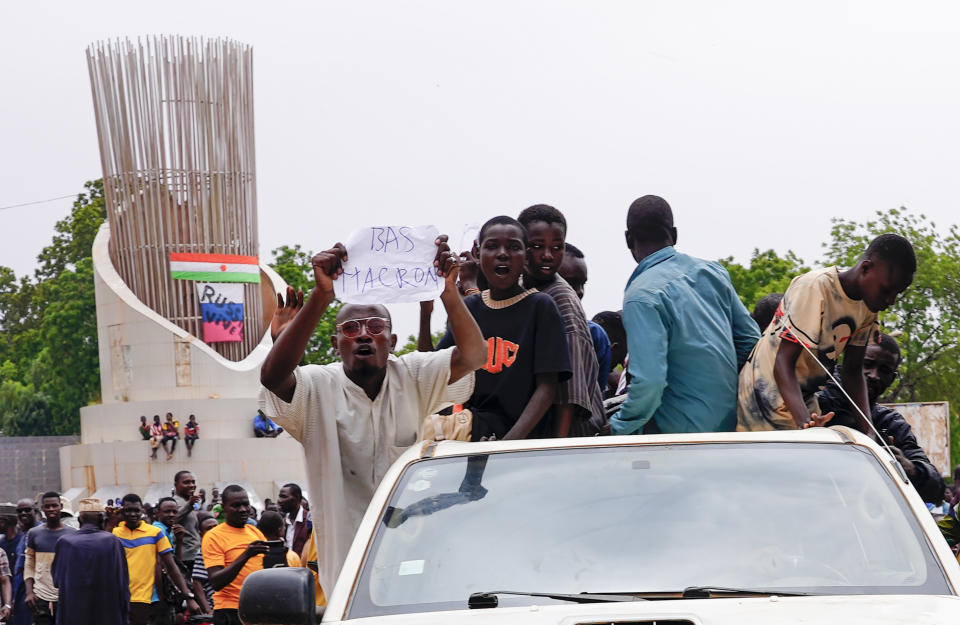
(500, 353)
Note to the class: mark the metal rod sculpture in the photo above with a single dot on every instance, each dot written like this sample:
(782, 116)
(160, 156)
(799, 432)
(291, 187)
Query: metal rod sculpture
(175, 125)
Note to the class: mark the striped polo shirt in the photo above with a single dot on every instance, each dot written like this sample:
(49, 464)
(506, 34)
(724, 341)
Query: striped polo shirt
(142, 545)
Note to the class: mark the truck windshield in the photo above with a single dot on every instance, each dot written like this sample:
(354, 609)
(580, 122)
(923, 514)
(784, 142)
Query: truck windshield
(810, 518)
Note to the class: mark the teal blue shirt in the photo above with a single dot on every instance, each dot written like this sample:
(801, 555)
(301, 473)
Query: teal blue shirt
(688, 334)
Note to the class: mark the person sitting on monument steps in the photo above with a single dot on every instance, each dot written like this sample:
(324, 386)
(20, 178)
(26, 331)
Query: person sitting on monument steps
(375, 399)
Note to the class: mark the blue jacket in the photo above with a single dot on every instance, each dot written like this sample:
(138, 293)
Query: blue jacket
(688, 334)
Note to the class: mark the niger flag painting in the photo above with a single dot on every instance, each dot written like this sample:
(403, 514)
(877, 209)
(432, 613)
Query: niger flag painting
(214, 267)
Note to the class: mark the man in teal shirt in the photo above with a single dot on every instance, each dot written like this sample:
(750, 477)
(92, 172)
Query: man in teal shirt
(688, 334)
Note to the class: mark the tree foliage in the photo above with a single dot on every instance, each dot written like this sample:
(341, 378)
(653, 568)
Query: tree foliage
(49, 326)
(294, 265)
(767, 273)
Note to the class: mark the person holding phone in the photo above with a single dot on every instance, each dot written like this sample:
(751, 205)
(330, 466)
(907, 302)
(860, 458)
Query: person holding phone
(231, 551)
(271, 526)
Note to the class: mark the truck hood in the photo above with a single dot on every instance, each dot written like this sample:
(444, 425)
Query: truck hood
(850, 610)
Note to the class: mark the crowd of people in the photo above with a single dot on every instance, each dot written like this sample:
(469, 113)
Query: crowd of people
(520, 359)
(145, 563)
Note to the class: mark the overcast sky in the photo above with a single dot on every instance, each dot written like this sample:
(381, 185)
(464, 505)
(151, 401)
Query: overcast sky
(757, 121)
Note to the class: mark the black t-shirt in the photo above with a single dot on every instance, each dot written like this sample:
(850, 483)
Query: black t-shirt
(523, 339)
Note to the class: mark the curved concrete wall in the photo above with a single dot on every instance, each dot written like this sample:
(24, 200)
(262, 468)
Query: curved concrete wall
(150, 366)
(145, 357)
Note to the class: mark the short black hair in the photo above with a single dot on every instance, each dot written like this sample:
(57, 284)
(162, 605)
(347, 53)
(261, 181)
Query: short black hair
(163, 499)
(888, 343)
(131, 498)
(179, 474)
(501, 220)
(612, 323)
(895, 250)
(765, 309)
(50, 494)
(650, 220)
(544, 213)
(295, 489)
(270, 523)
(573, 250)
(230, 489)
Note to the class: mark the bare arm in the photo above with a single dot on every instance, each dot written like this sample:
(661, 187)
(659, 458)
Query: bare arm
(424, 338)
(564, 419)
(29, 570)
(6, 593)
(221, 576)
(785, 373)
(533, 412)
(277, 371)
(851, 377)
(470, 350)
(201, 596)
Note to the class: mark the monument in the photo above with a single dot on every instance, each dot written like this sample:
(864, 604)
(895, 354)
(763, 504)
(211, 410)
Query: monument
(183, 301)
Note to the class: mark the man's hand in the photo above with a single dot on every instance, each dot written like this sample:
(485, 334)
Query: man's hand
(194, 498)
(818, 421)
(30, 599)
(446, 262)
(193, 606)
(178, 531)
(327, 266)
(285, 311)
(905, 462)
(4, 613)
(256, 548)
(469, 269)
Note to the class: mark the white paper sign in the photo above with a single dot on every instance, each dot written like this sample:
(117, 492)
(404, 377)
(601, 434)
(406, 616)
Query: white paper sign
(390, 264)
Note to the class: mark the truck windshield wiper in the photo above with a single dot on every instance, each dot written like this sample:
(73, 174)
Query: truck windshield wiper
(480, 600)
(707, 592)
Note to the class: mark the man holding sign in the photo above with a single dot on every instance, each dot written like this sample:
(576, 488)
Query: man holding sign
(355, 417)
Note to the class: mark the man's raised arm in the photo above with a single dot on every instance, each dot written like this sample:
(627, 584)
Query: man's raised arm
(277, 371)
(470, 350)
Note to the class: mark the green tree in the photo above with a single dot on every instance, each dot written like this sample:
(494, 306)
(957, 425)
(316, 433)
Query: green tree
(294, 265)
(50, 329)
(926, 318)
(767, 273)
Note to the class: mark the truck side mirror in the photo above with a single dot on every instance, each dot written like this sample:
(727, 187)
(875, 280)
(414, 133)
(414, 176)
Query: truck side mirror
(280, 596)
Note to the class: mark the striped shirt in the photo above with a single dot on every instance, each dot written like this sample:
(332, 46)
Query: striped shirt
(200, 574)
(143, 546)
(581, 389)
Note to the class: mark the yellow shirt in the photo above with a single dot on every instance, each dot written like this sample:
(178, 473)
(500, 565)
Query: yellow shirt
(143, 546)
(223, 545)
(310, 555)
(816, 312)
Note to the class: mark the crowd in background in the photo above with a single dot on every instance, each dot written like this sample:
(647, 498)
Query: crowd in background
(180, 559)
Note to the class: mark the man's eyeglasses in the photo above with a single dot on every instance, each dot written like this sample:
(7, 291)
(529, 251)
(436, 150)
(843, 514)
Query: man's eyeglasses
(353, 327)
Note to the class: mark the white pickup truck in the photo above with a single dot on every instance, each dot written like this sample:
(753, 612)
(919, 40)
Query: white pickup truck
(816, 526)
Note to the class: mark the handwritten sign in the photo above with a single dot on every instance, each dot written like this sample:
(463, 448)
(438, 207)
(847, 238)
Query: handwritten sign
(390, 264)
(221, 306)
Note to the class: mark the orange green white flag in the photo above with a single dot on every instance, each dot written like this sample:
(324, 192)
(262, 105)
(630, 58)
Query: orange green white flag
(214, 267)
